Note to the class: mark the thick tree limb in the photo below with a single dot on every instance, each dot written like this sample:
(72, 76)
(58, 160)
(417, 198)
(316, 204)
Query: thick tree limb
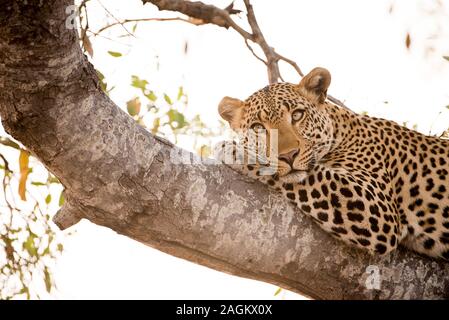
(198, 10)
(118, 175)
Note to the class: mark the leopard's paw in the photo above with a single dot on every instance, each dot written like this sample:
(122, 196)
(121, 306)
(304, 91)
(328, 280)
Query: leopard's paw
(236, 157)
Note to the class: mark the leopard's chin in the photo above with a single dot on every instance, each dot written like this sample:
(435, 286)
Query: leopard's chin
(294, 176)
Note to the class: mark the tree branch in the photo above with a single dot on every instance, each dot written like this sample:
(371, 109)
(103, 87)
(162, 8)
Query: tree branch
(254, 53)
(272, 59)
(125, 21)
(207, 13)
(118, 175)
(222, 18)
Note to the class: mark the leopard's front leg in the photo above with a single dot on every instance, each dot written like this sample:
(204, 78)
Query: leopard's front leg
(348, 207)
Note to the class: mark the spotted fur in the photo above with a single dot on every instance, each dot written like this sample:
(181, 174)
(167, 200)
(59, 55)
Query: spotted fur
(367, 181)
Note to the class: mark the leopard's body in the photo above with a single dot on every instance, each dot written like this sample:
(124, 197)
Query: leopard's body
(369, 182)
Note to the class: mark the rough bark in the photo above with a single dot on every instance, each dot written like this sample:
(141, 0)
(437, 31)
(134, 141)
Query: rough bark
(118, 175)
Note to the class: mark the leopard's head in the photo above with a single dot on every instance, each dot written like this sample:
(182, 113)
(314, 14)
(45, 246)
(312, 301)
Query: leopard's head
(297, 112)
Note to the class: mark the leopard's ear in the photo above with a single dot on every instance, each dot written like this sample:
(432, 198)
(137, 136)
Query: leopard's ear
(314, 85)
(230, 109)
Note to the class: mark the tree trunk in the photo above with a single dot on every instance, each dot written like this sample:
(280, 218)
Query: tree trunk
(118, 175)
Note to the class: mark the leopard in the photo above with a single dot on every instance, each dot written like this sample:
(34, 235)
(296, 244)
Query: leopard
(369, 182)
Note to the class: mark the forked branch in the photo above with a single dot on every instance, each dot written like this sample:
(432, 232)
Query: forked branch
(222, 18)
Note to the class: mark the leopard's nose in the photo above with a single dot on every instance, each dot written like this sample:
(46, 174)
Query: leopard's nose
(289, 157)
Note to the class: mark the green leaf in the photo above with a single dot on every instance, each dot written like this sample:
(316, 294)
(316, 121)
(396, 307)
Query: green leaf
(151, 96)
(134, 27)
(138, 83)
(28, 245)
(47, 280)
(9, 143)
(53, 179)
(115, 54)
(100, 75)
(25, 290)
(61, 199)
(278, 291)
(60, 247)
(48, 199)
(446, 57)
(38, 184)
(167, 99)
(176, 116)
(103, 83)
(133, 106)
(46, 252)
(156, 125)
(180, 93)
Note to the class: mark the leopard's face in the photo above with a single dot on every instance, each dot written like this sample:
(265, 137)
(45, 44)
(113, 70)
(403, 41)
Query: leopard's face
(290, 120)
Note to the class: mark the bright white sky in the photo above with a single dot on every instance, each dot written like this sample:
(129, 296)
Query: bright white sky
(358, 41)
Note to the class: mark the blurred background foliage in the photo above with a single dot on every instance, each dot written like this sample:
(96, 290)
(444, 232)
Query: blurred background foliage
(30, 195)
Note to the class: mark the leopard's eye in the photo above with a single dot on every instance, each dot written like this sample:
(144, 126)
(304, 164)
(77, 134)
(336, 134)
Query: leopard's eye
(297, 115)
(257, 127)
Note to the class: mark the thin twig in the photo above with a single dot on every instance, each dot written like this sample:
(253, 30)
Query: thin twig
(272, 59)
(83, 30)
(117, 20)
(83, 3)
(5, 181)
(110, 39)
(337, 102)
(254, 54)
(191, 21)
(290, 62)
